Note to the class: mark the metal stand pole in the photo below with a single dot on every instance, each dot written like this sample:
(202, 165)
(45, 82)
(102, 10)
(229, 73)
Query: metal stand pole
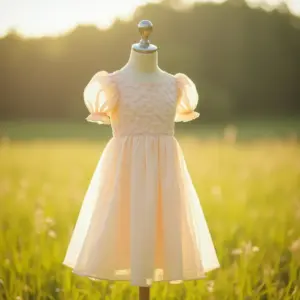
(144, 293)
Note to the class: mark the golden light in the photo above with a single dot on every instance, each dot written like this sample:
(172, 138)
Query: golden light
(292, 5)
(42, 17)
(37, 18)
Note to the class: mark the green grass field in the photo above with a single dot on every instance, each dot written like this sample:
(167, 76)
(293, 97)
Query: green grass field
(249, 190)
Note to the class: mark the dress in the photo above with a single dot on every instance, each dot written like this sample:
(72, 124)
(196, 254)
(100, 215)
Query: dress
(141, 219)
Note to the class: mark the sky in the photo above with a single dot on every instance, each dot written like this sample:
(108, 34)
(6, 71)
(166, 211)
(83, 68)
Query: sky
(36, 18)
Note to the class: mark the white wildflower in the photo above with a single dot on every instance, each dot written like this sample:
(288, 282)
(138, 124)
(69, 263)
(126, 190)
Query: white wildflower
(295, 246)
(268, 271)
(237, 251)
(52, 234)
(247, 248)
(210, 286)
(50, 221)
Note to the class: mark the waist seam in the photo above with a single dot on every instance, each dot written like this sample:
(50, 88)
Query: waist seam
(143, 134)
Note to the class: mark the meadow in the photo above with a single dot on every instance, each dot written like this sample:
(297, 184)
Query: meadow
(248, 180)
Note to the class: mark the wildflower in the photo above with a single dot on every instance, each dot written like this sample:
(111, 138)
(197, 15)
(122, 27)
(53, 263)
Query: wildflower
(210, 286)
(50, 221)
(295, 246)
(52, 234)
(237, 251)
(268, 271)
(247, 248)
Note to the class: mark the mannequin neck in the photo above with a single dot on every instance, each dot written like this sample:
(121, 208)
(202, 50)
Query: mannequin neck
(143, 62)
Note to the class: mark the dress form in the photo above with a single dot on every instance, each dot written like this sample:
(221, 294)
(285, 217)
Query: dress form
(142, 65)
(128, 227)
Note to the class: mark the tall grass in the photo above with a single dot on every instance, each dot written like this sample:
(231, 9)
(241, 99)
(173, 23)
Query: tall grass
(250, 193)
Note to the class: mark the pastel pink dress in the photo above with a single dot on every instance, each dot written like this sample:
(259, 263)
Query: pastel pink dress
(141, 219)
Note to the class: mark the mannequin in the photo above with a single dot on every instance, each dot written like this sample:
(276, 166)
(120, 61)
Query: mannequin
(142, 66)
(141, 219)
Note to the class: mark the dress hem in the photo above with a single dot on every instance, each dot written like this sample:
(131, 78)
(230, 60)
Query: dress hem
(171, 281)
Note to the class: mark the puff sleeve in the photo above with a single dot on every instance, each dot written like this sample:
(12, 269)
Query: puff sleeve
(187, 99)
(100, 97)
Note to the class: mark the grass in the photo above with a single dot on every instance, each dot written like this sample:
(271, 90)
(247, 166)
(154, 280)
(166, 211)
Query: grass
(249, 190)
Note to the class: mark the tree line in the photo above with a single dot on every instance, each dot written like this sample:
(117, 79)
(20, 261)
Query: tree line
(245, 62)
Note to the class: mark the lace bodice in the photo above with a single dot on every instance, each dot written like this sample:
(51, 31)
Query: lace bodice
(134, 108)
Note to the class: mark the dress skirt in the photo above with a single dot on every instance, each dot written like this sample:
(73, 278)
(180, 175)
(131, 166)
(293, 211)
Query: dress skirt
(141, 219)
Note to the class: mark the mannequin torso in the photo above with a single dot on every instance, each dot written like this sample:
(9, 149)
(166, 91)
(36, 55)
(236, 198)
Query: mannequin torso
(143, 67)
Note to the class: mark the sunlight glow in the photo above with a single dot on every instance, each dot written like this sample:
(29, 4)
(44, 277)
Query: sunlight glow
(35, 18)
(42, 17)
(292, 5)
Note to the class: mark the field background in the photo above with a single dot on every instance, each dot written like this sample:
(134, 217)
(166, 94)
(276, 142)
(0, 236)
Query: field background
(243, 152)
(246, 174)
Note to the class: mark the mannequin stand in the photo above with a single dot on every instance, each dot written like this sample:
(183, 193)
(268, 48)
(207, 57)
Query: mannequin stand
(143, 65)
(144, 293)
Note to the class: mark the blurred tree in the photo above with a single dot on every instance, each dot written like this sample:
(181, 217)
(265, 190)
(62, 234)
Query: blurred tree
(245, 62)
